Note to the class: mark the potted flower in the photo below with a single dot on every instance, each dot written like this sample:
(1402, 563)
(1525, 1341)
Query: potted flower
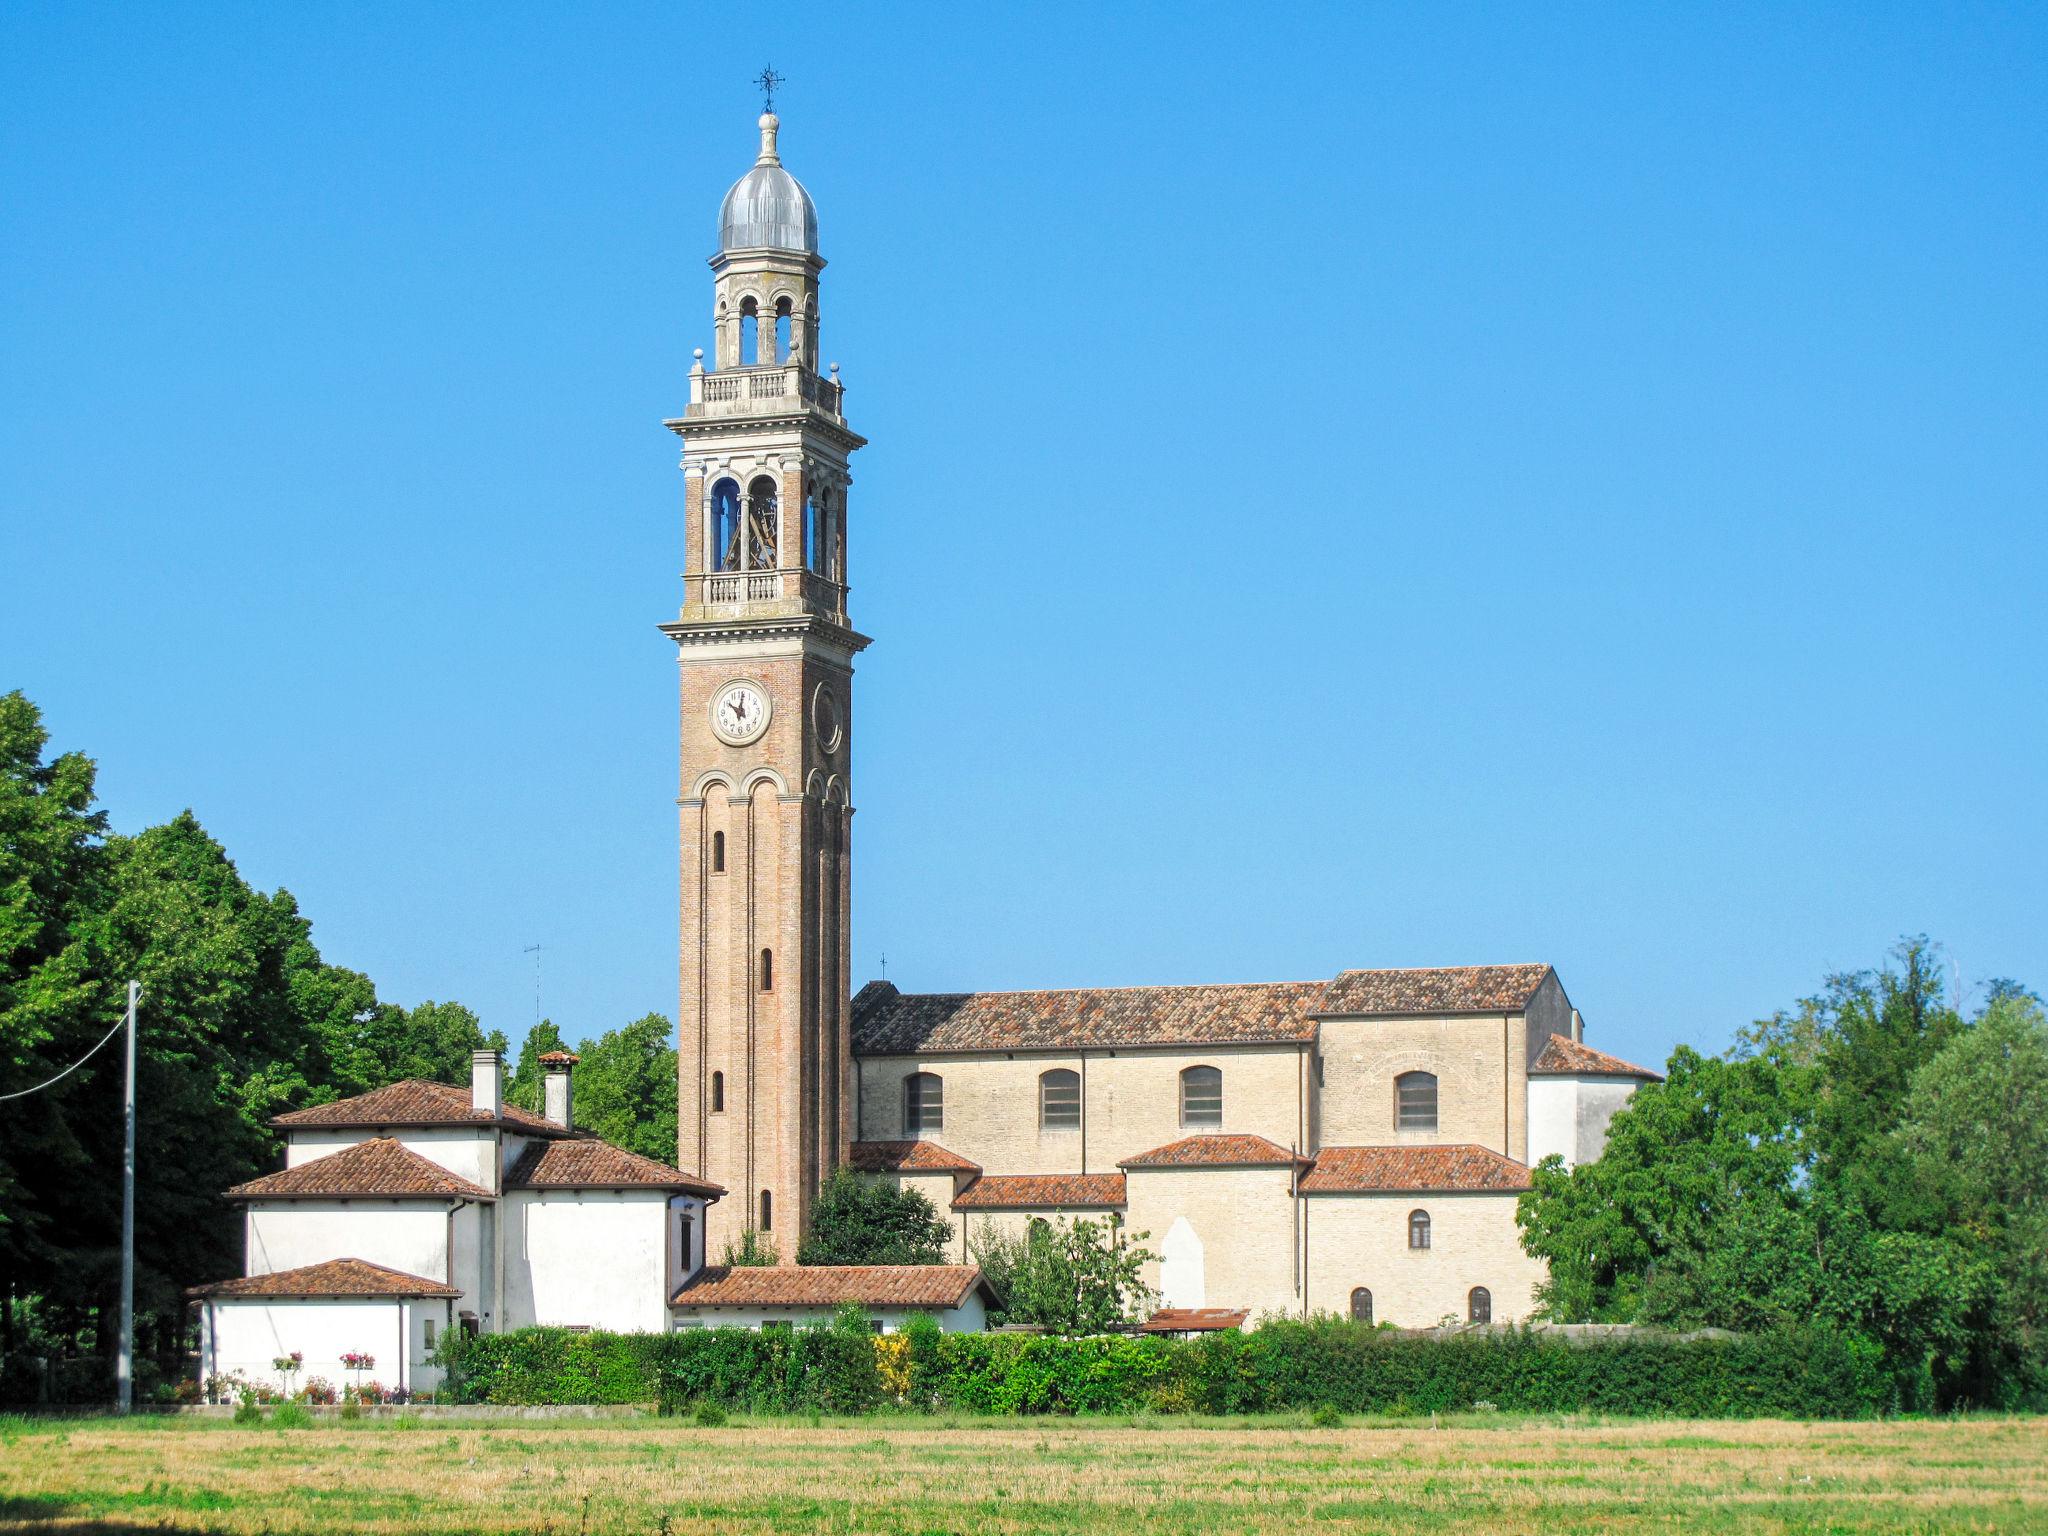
(288, 1366)
(357, 1361)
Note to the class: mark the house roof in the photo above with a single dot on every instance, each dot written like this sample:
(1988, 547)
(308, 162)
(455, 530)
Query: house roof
(379, 1167)
(887, 1022)
(330, 1277)
(586, 1162)
(1419, 1170)
(1439, 989)
(1041, 1191)
(1215, 1152)
(907, 1157)
(1195, 1320)
(827, 1285)
(1562, 1057)
(413, 1101)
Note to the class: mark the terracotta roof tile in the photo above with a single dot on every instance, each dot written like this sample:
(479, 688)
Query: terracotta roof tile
(586, 1162)
(1444, 1170)
(415, 1101)
(332, 1277)
(887, 1022)
(1564, 1057)
(377, 1167)
(907, 1157)
(827, 1285)
(1041, 1191)
(1195, 1320)
(1215, 1152)
(1443, 989)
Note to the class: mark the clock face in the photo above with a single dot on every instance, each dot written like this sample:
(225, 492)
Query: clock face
(739, 713)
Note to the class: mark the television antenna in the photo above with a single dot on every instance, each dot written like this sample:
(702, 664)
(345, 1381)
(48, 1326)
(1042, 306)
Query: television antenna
(534, 950)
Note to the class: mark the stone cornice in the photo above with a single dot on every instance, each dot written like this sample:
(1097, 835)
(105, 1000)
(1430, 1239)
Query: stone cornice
(695, 428)
(695, 632)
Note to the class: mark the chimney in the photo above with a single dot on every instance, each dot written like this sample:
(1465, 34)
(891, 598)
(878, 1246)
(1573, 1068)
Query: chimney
(1578, 1028)
(557, 1101)
(487, 1083)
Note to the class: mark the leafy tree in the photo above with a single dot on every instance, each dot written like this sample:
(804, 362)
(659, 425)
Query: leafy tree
(626, 1087)
(754, 1250)
(1072, 1278)
(865, 1221)
(524, 1088)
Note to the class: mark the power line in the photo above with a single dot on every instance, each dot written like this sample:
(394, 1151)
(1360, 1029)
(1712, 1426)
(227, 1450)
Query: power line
(39, 1087)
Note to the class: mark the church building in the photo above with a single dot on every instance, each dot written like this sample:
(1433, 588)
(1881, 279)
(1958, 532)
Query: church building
(1354, 1143)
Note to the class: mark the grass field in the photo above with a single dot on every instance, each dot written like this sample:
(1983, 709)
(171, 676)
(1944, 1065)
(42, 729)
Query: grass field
(920, 1476)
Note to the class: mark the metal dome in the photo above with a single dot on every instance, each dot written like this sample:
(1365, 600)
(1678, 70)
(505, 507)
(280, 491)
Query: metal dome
(768, 206)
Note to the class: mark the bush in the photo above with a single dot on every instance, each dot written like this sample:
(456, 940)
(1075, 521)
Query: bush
(1298, 1367)
(290, 1416)
(246, 1411)
(710, 1415)
(1326, 1416)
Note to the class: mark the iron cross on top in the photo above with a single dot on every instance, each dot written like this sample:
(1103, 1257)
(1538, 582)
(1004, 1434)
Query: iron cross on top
(768, 80)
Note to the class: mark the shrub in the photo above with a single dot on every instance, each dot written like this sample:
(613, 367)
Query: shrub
(290, 1416)
(1326, 1416)
(246, 1411)
(710, 1415)
(859, 1220)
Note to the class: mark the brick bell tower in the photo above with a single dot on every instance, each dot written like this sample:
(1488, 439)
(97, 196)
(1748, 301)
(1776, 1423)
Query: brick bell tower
(766, 655)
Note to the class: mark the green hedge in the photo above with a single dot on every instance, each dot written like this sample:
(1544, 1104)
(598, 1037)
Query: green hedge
(1280, 1366)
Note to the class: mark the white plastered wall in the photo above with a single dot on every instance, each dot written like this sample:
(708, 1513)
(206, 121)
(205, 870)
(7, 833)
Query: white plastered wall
(464, 1152)
(590, 1258)
(1224, 1236)
(242, 1338)
(410, 1236)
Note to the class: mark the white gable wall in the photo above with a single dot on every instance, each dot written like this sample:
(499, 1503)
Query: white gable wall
(464, 1151)
(1570, 1115)
(406, 1235)
(242, 1338)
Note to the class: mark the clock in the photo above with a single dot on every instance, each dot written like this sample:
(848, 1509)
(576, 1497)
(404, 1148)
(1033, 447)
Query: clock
(825, 718)
(739, 713)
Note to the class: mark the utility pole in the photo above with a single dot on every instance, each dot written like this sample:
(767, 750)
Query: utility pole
(124, 1370)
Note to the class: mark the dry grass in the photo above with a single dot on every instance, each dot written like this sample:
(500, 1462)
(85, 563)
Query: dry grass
(924, 1476)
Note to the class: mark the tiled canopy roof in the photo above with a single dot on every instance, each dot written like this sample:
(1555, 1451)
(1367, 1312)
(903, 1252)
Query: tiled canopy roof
(332, 1277)
(1444, 989)
(1040, 1191)
(1215, 1152)
(1194, 1320)
(585, 1162)
(415, 1101)
(377, 1167)
(887, 1022)
(826, 1285)
(1561, 1057)
(907, 1157)
(1448, 1170)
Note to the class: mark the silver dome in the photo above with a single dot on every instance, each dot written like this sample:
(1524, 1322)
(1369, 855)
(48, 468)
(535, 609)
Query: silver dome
(768, 206)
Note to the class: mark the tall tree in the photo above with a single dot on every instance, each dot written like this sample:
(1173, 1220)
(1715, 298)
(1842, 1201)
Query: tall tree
(860, 1220)
(626, 1087)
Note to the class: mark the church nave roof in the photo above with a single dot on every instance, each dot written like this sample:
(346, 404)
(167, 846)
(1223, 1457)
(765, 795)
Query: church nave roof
(1457, 1169)
(1042, 1191)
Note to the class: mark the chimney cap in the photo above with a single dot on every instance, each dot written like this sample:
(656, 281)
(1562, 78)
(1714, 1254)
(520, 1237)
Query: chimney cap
(559, 1059)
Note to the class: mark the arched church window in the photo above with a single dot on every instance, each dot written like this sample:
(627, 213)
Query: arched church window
(750, 333)
(718, 853)
(782, 333)
(1418, 1229)
(1059, 1100)
(767, 970)
(1201, 1096)
(1415, 1101)
(761, 508)
(1479, 1305)
(1361, 1305)
(725, 526)
(924, 1103)
(718, 1093)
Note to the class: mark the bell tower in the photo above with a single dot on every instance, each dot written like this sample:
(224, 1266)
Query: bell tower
(766, 653)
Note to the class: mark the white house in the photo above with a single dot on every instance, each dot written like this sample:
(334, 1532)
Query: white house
(420, 1207)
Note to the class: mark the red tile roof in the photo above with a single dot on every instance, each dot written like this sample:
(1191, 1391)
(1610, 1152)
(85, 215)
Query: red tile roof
(1562, 1057)
(377, 1167)
(887, 1022)
(907, 1157)
(1195, 1320)
(332, 1277)
(1449, 1170)
(1041, 1191)
(827, 1285)
(586, 1162)
(1443, 989)
(415, 1101)
(1215, 1152)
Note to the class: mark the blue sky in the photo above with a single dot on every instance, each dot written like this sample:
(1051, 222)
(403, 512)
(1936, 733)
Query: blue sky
(1352, 486)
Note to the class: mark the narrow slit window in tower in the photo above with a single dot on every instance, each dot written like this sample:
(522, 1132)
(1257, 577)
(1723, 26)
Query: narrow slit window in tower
(718, 1093)
(718, 853)
(767, 970)
(767, 1211)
